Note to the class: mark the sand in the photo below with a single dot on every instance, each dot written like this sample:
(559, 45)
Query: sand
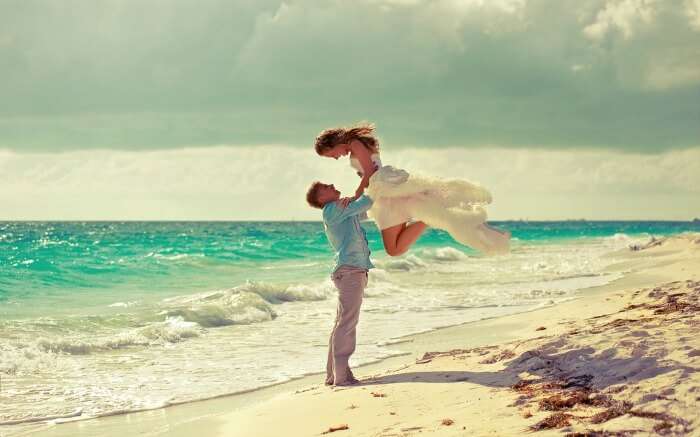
(621, 360)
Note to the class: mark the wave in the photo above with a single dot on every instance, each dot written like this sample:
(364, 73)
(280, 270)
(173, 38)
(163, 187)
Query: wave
(171, 321)
(178, 256)
(45, 352)
(34, 419)
(408, 263)
(171, 330)
(20, 358)
(82, 347)
(245, 304)
(423, 260)
(123, 304)
(221, 308)
(275, 293)
(622, 240)
(445, 254)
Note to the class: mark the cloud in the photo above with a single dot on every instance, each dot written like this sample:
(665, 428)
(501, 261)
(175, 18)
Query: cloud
(517, 73)
(622, 16)
(692, 10)
(636, 37)
(269, 182)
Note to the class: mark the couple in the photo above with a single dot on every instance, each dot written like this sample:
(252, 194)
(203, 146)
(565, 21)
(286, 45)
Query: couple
(402, 205)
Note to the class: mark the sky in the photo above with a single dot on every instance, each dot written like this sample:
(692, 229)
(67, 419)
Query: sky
(208, 110)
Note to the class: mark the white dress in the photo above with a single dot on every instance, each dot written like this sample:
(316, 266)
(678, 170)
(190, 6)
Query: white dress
(453, 205)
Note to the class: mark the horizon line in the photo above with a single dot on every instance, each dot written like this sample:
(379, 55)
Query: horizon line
(692, 220)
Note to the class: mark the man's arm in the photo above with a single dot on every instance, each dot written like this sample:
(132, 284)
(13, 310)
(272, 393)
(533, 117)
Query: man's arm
(336, 214)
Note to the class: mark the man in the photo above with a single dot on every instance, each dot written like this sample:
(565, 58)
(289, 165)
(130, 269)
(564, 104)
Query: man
(341, 219)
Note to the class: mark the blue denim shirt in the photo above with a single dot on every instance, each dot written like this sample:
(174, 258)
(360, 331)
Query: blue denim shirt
(345, 233)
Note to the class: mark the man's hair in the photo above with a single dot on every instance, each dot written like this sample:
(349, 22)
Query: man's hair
(312, 195)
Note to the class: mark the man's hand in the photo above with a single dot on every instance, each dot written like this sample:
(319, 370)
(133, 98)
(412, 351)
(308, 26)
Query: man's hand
(345, 201)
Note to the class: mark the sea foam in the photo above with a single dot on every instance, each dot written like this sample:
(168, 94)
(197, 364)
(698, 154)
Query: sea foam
(248, 303)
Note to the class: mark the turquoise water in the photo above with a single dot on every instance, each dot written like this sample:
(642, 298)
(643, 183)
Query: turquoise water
(109, 316)
(45, 260)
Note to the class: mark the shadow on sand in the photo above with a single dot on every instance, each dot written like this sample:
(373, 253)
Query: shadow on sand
(580, 367)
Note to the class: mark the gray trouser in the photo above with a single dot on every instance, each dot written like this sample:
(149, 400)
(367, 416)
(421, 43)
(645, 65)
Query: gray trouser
(350, 282)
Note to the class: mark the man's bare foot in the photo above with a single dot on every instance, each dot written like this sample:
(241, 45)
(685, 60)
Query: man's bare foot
(349, 380)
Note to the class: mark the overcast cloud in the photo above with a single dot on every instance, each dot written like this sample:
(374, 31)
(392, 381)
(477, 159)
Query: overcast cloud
(128, 74)
(176, 109)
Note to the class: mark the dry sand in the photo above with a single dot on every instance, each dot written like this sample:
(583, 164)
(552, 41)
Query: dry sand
(622, 360)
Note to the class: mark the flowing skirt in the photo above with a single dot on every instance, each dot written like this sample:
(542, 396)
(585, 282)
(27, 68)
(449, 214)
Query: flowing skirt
(453, 205)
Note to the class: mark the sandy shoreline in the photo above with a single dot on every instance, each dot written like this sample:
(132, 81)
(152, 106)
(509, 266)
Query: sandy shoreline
(561, 364)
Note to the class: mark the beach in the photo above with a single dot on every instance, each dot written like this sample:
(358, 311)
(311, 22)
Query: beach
(621, 358)
(106, 318)
(480, 218)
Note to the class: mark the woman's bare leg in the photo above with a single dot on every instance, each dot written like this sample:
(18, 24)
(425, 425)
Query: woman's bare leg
(390, 235)
(506, 233)
(398, 239)
(409, 235)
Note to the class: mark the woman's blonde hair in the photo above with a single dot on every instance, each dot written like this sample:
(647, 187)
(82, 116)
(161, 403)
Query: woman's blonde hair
(363, 132)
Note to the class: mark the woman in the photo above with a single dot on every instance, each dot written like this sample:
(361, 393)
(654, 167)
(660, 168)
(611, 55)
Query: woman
(453, 205)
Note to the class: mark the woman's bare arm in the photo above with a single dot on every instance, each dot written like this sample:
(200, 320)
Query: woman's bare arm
(359, 151)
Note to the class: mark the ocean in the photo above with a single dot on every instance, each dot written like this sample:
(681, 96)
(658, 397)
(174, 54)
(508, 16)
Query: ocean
(105, 317)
